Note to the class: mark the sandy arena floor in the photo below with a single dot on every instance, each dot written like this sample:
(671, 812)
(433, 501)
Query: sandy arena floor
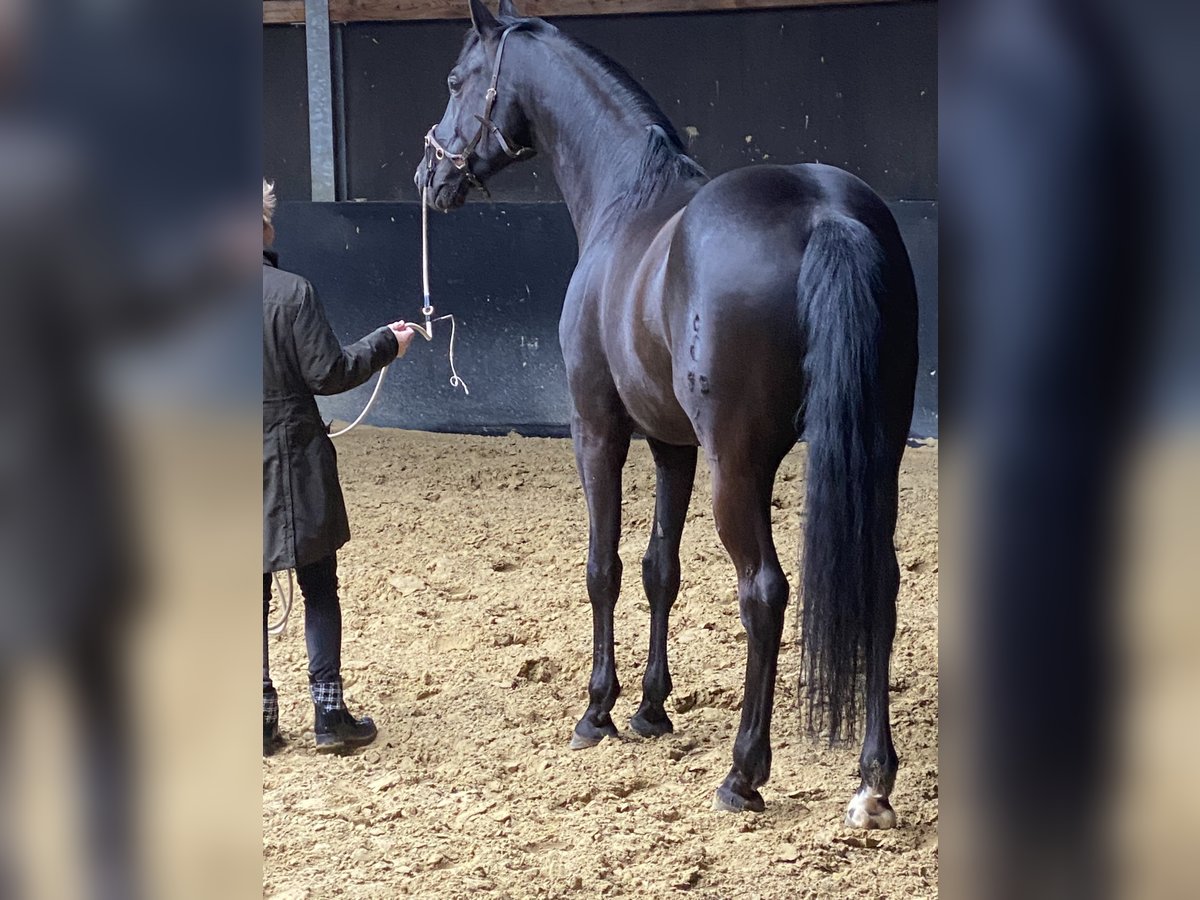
(468, 636)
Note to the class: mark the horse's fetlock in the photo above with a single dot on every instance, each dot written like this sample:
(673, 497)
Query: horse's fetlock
(879, 773)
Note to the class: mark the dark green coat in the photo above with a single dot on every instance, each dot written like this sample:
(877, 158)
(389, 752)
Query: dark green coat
(304, 516)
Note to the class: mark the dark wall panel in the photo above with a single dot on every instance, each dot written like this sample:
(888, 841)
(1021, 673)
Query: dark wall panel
(855, 86)
(502, 269)
(285, 112)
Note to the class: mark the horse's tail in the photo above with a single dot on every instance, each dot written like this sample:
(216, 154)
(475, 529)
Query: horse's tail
(847, 535)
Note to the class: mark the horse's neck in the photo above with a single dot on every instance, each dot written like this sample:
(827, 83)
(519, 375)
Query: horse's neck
(593, 140)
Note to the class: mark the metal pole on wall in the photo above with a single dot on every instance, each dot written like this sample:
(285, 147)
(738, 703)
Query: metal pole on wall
(320, 99)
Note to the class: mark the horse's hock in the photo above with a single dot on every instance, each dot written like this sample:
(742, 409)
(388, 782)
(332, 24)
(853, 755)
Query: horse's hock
(467, 637)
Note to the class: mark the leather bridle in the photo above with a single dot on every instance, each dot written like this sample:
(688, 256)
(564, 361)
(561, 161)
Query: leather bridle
(462, 160)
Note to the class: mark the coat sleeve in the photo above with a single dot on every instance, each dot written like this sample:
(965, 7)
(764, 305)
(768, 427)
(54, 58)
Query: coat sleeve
(327, 366)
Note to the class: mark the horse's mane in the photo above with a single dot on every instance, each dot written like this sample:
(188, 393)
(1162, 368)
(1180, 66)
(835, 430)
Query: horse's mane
(661, 165)
(632, 94)
(663, 160)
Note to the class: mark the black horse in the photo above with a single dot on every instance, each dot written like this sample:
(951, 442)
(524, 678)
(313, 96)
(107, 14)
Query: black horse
(736, 314)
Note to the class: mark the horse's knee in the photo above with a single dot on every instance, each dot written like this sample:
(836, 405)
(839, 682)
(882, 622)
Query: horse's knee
(604, 579)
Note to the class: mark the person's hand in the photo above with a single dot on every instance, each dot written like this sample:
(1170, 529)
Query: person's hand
(404, 336)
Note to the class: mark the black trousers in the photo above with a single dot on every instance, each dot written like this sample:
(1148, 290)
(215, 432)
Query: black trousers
(322, 621)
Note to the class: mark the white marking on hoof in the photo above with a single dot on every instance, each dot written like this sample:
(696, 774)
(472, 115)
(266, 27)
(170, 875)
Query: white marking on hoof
(719, 805)
(869, 810)
(579, 742)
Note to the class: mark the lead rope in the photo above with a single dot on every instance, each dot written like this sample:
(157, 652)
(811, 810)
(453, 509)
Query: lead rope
(285, 601)
(426, 331)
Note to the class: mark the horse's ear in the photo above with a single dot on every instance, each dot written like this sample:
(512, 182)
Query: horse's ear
(509, 9)
(483, 20)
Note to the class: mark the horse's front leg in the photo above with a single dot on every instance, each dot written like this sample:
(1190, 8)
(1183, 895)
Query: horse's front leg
(600, 451)
(660, 576)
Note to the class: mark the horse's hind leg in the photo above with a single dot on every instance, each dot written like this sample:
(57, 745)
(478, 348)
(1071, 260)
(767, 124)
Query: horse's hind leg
(878, 763)
(676, 471)
(600, 451)
(870, 807)
(741, 505)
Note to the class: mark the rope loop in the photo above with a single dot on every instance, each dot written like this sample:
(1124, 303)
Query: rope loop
(285, 601)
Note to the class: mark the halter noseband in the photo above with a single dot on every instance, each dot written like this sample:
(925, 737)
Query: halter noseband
(462, 160)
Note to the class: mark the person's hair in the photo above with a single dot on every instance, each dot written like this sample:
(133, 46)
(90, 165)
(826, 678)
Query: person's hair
(268, 202)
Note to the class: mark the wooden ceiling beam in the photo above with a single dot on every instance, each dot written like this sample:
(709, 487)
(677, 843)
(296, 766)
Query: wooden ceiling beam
(286, 12)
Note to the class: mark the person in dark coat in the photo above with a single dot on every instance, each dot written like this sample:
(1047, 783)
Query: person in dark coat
(304, 515)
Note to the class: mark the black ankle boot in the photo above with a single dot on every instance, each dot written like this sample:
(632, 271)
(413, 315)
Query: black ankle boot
(335, 728)
(272, 739)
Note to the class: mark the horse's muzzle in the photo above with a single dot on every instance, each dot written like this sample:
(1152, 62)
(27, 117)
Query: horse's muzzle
(449, 187)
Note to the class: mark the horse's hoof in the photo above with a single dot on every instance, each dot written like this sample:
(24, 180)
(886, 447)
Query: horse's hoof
(588, 735)
(651, 727)
(729, 800)
(867, 811)
(583, 742)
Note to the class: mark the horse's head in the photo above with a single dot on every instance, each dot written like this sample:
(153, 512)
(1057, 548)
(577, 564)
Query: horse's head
(483, 128)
